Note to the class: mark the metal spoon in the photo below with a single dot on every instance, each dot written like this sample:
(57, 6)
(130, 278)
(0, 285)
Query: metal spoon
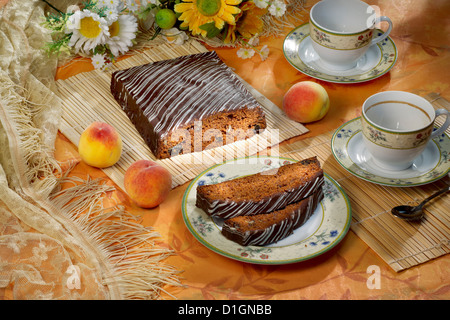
(415, 213)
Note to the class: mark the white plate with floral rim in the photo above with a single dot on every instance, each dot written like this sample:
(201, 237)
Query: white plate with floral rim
(349, 150)
(325, 229)
(377, 61)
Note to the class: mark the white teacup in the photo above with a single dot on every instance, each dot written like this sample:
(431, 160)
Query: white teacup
(397, 126)
(342, 31)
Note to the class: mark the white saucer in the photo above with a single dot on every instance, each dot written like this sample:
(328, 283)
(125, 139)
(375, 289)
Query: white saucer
(299, 52)
(367, 62)
(349, 150)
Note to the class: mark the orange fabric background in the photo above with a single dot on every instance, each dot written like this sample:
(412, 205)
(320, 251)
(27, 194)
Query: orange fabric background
(421, 33)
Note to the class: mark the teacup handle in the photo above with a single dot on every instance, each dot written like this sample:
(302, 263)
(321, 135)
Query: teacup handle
(384, 35)
(444, 127)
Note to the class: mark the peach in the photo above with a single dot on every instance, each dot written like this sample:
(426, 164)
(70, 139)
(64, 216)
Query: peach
(147, 183)
(100, 145)
(306, 102)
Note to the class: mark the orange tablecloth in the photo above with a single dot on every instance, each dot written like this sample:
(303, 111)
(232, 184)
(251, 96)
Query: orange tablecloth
(421, 33)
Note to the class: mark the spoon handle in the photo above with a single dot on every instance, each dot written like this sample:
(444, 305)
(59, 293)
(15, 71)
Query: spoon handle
(434, 196)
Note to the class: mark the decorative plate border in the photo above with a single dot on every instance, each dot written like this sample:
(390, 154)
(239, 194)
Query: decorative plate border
(339, 144)
(334, 225)
(300, 33)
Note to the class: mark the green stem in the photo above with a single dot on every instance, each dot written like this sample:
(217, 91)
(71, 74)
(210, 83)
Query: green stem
(157, 31)
(51, 6)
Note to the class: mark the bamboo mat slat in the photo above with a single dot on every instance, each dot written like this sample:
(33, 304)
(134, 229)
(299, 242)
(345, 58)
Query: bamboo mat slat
(401, 244)
(86, 98)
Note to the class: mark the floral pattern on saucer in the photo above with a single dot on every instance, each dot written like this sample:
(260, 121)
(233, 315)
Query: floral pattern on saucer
(327, 227)
(340, 148)
(300, 35)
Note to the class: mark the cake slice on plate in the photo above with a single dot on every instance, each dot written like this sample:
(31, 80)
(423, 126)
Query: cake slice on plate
(262, 192)
(266, 228)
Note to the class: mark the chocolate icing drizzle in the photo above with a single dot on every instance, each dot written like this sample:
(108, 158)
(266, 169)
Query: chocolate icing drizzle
(277, 231)
(176, 92)
(229, 208)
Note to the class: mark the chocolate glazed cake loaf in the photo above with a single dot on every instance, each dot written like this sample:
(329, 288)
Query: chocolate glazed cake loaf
(187, 104)
(267, 228)
(262, 192)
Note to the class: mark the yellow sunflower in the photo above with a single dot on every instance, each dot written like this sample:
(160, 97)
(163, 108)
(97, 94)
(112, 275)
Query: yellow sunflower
(195, 13)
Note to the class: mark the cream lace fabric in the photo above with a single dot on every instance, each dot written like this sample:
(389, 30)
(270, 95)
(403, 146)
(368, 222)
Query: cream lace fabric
(58, 239)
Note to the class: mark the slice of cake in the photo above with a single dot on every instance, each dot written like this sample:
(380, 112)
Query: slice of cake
(267, 228)
(187, 104)
(262, 192)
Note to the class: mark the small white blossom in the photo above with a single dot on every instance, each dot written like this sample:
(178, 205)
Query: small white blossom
(264, 52)
(277, 8)
(254, 41)
(261, 3)
(245, 53)
(111, 14)
(102, 3)
(107, 66)
(132, 5)
(108, 3)
(98, 61)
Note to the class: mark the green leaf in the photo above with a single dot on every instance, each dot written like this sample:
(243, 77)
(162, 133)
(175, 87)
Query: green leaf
(211, 29)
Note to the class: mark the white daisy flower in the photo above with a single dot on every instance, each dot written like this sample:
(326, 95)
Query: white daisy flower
(277, 8)
(261, 3)
(132, 5)
(245, 53)
(121, 33)
(111, 14)
(88, 30)
(116, 5)
(108, 3)
(102, 3)
(98, 61)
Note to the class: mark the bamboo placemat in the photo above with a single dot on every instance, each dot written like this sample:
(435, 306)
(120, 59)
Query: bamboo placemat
(86, 98)
(399, 243)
